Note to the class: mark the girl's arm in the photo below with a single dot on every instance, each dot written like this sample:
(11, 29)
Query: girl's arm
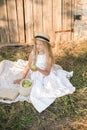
(26, 70)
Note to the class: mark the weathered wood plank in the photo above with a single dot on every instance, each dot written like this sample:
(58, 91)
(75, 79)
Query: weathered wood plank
(20, 19)
(37, 13)
(12, 20)
(57, 19)
(47, 16)
(4, 34)
(64, 20)
(69, 18)
(72, 18)
(28, 5)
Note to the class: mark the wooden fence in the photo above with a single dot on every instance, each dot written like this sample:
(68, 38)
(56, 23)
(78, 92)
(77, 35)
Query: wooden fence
(20, 20)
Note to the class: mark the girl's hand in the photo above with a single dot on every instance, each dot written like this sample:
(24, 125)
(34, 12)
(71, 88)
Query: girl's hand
(17, 81)
(34, 68)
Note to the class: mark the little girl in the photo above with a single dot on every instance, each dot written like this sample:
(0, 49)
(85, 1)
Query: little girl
(49, 80)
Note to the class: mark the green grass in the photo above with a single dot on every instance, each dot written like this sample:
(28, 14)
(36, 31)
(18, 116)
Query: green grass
(66, 113)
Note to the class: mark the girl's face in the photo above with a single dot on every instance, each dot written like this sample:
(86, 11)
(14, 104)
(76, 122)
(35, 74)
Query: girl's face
(40, 46)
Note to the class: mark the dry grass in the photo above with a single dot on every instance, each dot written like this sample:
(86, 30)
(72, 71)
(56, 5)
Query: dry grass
(71, 48)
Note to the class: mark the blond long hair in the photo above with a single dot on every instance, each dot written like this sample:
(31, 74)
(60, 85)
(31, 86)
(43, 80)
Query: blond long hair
(48, 52)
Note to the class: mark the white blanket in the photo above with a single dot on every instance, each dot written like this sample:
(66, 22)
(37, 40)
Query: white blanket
(9, 71)
(45, 88)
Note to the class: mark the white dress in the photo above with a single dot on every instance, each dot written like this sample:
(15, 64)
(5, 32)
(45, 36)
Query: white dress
(45, 88)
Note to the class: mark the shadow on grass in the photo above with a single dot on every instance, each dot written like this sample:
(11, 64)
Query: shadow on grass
(78, 65)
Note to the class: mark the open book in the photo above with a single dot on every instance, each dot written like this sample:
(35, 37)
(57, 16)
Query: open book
(8, 94)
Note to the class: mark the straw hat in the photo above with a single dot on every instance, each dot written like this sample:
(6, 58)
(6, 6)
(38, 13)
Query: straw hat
(43, 37)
